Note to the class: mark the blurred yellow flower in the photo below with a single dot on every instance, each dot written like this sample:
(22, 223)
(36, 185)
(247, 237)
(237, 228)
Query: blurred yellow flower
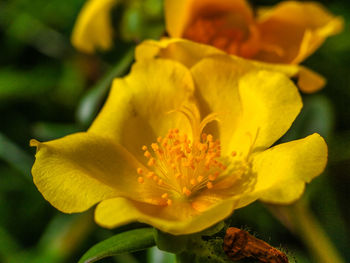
(189, 53)
(93, 28)
(286, 33)
(181, 149)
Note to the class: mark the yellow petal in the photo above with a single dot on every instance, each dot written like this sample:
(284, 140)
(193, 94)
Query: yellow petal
(309, 81)
(254, 106)
(189, 53)
(217, 82)
(291, 31)
(184, 51)
(180, 13)
(119, 211)
(270, 104)
(138, 107)
(93, 28)
(283, 170)
(77, 171)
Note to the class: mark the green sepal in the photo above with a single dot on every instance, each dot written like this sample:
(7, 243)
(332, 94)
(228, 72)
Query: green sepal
(178, 244)
(125, 242)
(203, 250)
(170, 243)
(212, 230)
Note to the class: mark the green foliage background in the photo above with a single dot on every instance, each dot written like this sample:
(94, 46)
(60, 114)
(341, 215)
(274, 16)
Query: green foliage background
(48, 89)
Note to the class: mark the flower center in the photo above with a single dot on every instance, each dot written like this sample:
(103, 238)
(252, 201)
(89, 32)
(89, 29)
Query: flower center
(180, 166)
(226, 32)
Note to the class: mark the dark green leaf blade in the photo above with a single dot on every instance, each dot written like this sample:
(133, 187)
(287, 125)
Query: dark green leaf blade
(125, 242)
(15, 156)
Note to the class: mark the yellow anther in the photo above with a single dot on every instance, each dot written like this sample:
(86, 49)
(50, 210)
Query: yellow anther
(234, 153)
(201, 146)
(223, 167)
(212, 177)
(183, 138)
(208, 162)
(139, 170)
(155, 178)
(176, 148)
(140, 180)
(197, 159)
(186, 191)
(171, 159)
(151, 162)
(155, 147)
(150, 175)
(178, 157)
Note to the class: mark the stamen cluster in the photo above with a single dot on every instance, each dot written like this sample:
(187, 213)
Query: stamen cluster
(181, 167)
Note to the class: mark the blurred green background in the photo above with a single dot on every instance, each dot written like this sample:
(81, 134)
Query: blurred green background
(48, 89)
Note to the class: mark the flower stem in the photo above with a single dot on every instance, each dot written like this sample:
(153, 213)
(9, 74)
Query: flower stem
(300, 220)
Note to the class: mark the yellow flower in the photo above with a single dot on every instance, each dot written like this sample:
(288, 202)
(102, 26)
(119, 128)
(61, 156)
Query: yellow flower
(284, 34)
(181, 149)
(93, 29)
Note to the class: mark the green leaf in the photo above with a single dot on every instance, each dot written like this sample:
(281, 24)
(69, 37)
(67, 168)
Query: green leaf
(125, 242)
(92, 101)
(17, 84)
(50, 130)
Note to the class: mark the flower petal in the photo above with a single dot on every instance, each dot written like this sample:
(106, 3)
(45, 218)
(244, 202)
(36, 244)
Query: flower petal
(77, 171)
(283, 170)
(189, 53)
(253, 105)
(93, 28)
(292, 30)
(184, 51)
(309, 81)
(180, 13)
(177, 220)
(138, 106)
